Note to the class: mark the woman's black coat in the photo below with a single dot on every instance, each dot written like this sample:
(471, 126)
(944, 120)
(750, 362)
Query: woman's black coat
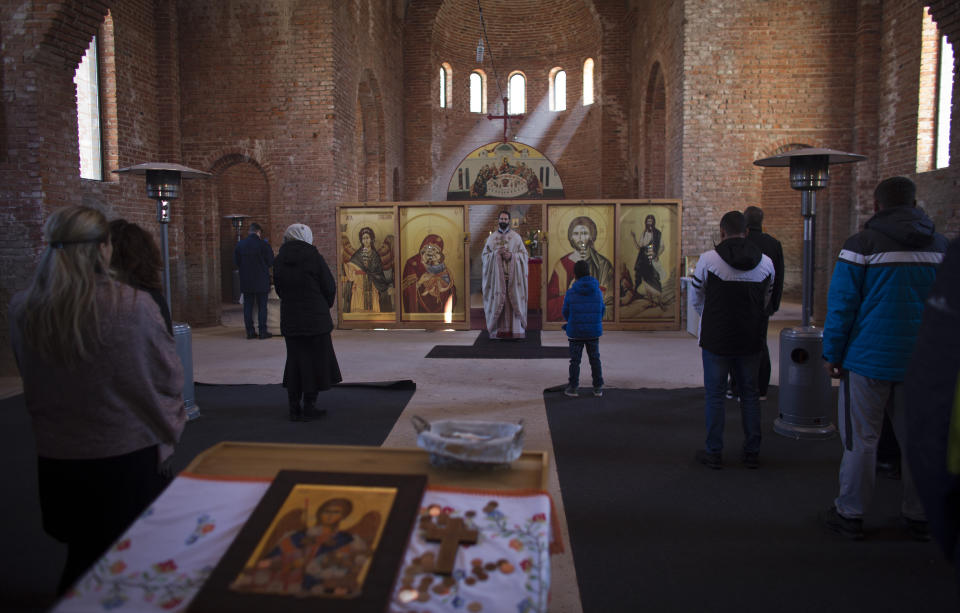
(306, 288)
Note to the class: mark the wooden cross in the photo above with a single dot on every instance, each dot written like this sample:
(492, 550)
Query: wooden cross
(506, 117)
(450, 532)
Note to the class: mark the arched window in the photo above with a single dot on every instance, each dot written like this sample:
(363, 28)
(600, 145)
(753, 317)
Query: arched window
(944, 102)
(935, 100)
(558, 89)
(588, 81)
(87, 80)
(446, 89)
(478, 92)
(517, 102)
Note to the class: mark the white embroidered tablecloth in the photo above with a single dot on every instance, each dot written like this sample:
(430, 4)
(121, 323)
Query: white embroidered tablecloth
(163, 559)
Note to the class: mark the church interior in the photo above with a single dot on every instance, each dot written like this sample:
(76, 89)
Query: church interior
(299, 108)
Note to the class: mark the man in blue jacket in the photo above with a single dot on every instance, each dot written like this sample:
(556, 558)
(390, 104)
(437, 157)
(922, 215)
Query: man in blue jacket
(254, 257)
(874, 308)
(583, 308)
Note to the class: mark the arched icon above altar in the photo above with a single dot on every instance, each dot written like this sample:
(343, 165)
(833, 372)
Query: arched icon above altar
(502, 171)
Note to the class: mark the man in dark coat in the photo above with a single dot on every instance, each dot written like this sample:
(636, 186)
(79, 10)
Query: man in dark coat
(771, 248)
(930, 389)
(254, 257)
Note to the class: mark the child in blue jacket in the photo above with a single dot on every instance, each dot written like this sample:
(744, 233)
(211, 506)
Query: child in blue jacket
(583, 309)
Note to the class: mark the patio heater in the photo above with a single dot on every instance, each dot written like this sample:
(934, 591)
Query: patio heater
(236, 221)
(163, 185)
(805, 390)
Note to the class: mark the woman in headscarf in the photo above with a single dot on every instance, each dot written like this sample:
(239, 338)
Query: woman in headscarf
(307, 290)
(103, 385)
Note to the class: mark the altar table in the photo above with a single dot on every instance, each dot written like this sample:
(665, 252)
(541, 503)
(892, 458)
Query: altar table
(163, 559)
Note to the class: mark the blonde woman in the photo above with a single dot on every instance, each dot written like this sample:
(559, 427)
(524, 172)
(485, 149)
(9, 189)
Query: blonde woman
(103, 385)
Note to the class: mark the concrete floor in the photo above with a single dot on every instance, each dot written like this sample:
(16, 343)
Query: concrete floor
(505, 390)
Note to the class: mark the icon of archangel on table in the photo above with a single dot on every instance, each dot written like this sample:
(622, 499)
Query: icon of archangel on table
(320, 543)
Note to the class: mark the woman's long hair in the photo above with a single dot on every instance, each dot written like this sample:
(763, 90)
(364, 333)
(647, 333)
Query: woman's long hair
(136, 258)
(59, 318)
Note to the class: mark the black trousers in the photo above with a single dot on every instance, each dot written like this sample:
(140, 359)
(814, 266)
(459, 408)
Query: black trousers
(763, 377)
(261, 300)
(88, 504)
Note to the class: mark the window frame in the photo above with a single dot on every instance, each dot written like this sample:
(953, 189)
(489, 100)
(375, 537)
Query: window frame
(446, 85)
(511, 106)
(552, 88)
(589, 95)
(99, 169)
(483, 90)
(943, 94)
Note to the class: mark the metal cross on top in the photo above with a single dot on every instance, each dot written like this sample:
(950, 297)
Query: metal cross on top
(506, 117)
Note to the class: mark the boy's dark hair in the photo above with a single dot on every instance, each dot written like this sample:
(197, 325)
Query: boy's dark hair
(754, 217)
(255, 227)
(581, 269)
(733, 223)
(895, 191)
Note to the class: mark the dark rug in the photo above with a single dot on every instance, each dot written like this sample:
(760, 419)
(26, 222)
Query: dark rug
(485, 348)
(358, 414)
(682, 537)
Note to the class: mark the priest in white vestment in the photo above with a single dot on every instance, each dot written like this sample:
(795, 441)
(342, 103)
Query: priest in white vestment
(504, 286)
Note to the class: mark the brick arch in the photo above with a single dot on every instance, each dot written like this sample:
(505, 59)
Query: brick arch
(217, 161)
(69, 27)
(655, 135)
(947, 17)
(372, 155)
(240, 186)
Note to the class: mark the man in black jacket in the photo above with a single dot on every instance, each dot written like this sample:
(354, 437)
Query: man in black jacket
(933, 407)
(771, 248)
(254, 257)
(732, 285)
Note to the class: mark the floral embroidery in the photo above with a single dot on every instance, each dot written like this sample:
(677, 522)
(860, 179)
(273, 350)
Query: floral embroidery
(529, 537)
(160, 585)
(204, 526)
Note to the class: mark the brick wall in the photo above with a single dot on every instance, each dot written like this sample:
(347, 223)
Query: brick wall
(756, 80)
(279, 84)
(899, 92)
(39, 170)
(656, 56)
(566, 34)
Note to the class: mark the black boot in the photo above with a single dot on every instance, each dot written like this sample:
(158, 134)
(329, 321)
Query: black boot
(310, 411)
(296, 411)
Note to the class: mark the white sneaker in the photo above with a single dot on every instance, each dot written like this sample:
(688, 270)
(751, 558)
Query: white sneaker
(597, 392)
